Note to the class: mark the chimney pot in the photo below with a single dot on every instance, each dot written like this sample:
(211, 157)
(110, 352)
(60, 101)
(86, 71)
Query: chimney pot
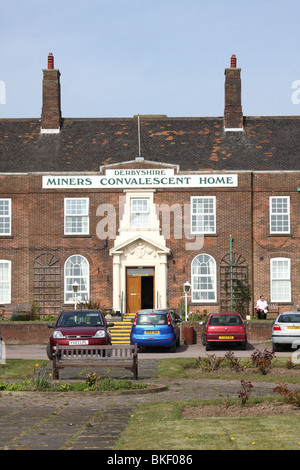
(233, 61)
(50, 61)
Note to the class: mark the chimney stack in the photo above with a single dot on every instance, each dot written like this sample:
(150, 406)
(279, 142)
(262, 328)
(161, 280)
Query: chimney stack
(233, 115)
(51, 110)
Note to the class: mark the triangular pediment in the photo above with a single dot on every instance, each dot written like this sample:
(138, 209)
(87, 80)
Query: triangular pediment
(139, 244)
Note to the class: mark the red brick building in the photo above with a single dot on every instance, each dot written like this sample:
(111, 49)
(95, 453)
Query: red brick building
(132, 208)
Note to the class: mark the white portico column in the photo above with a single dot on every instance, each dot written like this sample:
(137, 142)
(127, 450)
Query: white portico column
(162, 281)
(116, 282)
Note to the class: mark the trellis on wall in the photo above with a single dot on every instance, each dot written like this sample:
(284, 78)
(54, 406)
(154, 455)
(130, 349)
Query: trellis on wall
(47, 284)
(234, 284)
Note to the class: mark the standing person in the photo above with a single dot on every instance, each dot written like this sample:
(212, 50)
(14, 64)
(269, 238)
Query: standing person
(262, 308)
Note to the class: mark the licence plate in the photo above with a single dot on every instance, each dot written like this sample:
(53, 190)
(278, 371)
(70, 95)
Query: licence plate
(292, 327)
(226, 337)
(79, 342)
(151, 332)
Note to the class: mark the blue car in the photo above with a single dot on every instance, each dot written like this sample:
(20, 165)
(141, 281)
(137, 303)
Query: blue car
(155, 328)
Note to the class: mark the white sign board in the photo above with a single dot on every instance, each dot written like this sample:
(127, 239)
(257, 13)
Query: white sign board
(140, 178)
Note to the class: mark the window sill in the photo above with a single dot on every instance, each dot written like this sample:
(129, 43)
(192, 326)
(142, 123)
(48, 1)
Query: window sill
(6, 237)
(201, 304)
(193, 235)
(280, 235)
(79, 235)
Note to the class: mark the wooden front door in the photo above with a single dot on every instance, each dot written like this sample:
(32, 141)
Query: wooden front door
(139, 289)
(133, 293)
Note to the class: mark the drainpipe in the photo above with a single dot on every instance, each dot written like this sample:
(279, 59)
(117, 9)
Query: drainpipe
(231, 273)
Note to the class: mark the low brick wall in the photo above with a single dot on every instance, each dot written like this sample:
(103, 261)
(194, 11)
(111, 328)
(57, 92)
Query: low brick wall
(25, 332)
(38, 333)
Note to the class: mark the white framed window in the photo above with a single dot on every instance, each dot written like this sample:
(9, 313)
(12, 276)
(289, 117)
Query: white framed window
(280, 214)
(5, 217)
(204, 286)
(139, 213)
(203, 214)
(77, 270)
(77, 216)
(5, 282)
(280, 280)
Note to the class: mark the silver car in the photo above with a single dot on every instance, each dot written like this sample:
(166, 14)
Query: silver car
(286, 330)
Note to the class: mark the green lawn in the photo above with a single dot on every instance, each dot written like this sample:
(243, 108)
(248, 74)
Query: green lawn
(15, 369)
(161, 426)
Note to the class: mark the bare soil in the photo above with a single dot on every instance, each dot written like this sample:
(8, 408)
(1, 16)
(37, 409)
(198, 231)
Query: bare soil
(251, 371)
(257, 409)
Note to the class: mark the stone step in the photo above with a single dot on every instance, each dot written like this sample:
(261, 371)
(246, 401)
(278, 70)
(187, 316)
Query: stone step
(120, 332)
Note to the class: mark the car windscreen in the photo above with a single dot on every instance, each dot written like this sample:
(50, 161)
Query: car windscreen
(152, 319)
(225, 320)
(80, 318)
(289, 318)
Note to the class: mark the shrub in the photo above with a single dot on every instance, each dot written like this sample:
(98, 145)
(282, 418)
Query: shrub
(209, 363)
(245, 391)
(262, 360)
(291, 365)
(232, 362)
(291, 397)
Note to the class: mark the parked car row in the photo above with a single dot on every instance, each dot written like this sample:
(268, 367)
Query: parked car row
(160, 328)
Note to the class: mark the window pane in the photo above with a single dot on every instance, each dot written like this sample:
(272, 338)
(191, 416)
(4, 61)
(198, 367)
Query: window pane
(5, 217)
(279, 217)
(77, 270)
(139, 217)
(280, 280)
(203, 215)
(77, 216)
(203, 279)
(281, 291)
(5, 282)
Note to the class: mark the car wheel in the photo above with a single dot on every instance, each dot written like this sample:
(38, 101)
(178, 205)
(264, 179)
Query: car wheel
(208, 347)
(275, 347)
(244, 346)
(49, 353)
(173, 347)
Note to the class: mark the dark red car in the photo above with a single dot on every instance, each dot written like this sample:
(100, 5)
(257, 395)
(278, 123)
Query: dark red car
(224, 328)
(79, 328)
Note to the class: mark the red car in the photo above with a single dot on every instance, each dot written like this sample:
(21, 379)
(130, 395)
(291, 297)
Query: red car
(224, 328)
(79, 328)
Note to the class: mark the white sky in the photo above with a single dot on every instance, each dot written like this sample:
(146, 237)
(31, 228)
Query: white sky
(118, 58)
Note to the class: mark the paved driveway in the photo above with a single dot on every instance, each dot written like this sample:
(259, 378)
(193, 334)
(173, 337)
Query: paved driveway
(38, 351)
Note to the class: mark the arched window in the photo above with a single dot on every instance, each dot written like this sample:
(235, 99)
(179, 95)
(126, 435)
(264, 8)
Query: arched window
(203, 279)
(77, 270)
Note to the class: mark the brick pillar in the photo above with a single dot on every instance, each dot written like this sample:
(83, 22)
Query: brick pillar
(51, 110)
(233, 115)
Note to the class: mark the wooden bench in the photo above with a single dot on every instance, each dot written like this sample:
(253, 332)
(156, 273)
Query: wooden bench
(273, 311)
(125, 356)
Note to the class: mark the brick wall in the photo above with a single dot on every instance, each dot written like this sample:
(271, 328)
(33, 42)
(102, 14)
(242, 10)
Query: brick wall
(38, 227)
(266, 245)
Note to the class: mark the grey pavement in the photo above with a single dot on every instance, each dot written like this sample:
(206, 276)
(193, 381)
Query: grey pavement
(38, 351)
